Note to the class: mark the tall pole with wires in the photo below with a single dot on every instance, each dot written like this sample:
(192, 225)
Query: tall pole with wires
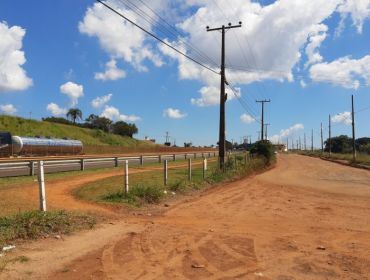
(322, 140)
(329, 135)
(223, 97)
(266, 125)
(353, 131)
(311, 140)
(262, 115)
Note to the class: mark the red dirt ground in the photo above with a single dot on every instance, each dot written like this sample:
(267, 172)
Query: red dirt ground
(304, 219)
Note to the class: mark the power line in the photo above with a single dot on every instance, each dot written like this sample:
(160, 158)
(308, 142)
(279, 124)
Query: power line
(156, 37)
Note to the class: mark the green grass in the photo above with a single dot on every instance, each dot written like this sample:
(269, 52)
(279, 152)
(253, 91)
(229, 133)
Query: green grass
(360, 158)
(149, 188)
(35, 224)
(25, 127)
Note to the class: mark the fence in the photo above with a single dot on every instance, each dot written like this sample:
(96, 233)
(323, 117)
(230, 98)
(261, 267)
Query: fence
(29, 167)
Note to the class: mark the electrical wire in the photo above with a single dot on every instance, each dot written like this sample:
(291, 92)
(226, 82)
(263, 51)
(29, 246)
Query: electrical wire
(156, 37)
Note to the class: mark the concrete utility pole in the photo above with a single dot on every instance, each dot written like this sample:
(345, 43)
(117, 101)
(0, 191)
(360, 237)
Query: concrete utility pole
(311, 140)
(322, 140)
(287, 144)
(223, 96)
(262, 115)
(259, 135)
(305, 146)
(353, 131)
(329, 135)
(300, 143)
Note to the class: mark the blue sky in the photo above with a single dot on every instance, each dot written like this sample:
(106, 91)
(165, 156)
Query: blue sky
(64, 43)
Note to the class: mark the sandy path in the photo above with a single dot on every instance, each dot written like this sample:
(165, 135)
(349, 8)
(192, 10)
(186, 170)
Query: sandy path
(305, 219)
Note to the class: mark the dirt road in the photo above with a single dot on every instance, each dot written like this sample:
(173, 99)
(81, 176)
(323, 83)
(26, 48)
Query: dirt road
(304, 219)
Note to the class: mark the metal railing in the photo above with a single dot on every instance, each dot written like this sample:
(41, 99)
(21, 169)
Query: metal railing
(29, 167)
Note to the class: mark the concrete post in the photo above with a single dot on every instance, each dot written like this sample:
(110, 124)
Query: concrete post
(41, 179)
(116, 162)
(189, 169)
(126, 177)
(165, 172)
(82, 162)
(32, 168)
(142, 160)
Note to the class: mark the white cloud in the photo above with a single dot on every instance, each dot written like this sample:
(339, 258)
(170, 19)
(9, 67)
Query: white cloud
(173, 113)
(211, 96)
(245, 118)
(345, 118)
(118, 37)
(359, 11)
(344, 72)
(73, 91)
(12, 76)
(284, 133)
(316, 38)
(55, 110)
(101, 100)
(114, 114)
(8, 109)
(302, 83)
(111, 72)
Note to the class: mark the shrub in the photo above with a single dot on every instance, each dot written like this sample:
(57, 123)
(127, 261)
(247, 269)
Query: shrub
(265, 149)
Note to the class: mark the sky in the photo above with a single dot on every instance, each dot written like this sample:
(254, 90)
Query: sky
(307, 56)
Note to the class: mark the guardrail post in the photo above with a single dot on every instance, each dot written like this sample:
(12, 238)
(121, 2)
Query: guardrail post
(185, 156)
(32, 168)
(160, 158)
(41, 180)
(116, 162)
(82, 162)
(126, 177)
(174, 157)
(141, 160)
(204, 168)
(165, 169)
(189, 169)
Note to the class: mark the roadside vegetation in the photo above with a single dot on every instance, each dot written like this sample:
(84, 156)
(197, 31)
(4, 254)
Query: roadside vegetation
(361, 158)
(149, 188)
(35, 224)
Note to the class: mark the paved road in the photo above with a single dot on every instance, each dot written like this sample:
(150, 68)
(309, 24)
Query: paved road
(305, 219)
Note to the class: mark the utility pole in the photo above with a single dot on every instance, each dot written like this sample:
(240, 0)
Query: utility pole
(329, 135)
(300, 143)
(262, 115)
(311, 140)
(167, 137)
(305, 147)
(259, 135)
(266, 125)
(287, 144)
(322, 140)
(353, 131)
(223, 96)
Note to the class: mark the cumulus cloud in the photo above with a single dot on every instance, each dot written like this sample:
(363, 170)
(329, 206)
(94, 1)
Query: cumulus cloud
(173, 113)
(73, 91)
(359, 10)
(118, 37)
(344, 71)
(101, 100)
(56, 110)
(316, 38)
(114, 114)
(12, 76)
(345, 118)
(245, 118)
(112, 72)
(8, 109)
(210, 95)
(284, 133)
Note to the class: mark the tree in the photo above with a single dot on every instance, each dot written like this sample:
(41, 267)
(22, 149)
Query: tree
(339, 144)
(265, 149)
(73, 114)
(96, 122)
(124, 129)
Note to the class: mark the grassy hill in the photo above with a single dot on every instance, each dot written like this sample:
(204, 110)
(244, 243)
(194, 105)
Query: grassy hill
(89, 137)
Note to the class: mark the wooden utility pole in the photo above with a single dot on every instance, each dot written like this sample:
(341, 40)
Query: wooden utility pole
(353, 131)
(329, 135)
(262, 115)
(266, 125)
(223, 97)
(322, 140)
(311, 140)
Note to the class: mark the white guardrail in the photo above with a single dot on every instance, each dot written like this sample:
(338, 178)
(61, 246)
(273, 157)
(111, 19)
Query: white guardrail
(29, 167)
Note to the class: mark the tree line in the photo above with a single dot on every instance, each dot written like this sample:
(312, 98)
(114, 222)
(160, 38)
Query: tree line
(95, 122)
(343, 144)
